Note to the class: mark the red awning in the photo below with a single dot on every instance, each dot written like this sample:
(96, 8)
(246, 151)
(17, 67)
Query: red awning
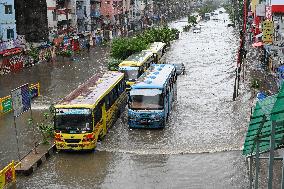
(277, 8)
(11, 51)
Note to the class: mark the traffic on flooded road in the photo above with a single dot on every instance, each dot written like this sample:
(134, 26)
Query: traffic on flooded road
(199, 146)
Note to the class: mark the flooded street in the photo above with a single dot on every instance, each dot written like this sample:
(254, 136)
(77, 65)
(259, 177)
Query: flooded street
(199, 148)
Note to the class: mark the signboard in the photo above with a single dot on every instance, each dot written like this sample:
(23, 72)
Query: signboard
(6, 105)
(268, 12)
(21, 99)
(260, 10)
(267, 30)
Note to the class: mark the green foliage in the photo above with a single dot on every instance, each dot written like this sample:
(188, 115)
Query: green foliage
(122, 48)
(45, 126)
(186, 28)
(230, 10)
(255, 83)
(192, 20)
(209, 7)
(113, 64)
(34, 53)
(67, 53)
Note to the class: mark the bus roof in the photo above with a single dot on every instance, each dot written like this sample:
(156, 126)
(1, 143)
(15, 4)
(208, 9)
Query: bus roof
(137, 59)
(156, 46)
(91, 92)
(155, 77)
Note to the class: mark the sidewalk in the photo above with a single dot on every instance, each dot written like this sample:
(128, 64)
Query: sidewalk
(254, 71)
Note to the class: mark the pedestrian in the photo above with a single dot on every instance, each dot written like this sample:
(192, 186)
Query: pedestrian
(53, 53)
(88, 45)
(94, 37)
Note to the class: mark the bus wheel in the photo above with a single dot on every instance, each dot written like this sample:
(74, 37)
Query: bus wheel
(118, 114)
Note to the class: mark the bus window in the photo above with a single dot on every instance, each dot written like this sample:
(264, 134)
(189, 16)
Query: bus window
(107, 100)
(98, 114)
(114, 93)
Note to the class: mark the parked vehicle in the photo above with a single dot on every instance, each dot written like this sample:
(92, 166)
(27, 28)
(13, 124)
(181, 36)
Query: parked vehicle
(180, 68)
(207, 16)
(158, 49)
(151, 97)
(196, 29)
(84, 116)
(135, 65)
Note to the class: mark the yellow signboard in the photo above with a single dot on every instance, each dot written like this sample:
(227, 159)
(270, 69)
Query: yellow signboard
(267, 30)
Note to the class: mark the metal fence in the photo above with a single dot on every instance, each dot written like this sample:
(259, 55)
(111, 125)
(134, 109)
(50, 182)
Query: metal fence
(8, 175)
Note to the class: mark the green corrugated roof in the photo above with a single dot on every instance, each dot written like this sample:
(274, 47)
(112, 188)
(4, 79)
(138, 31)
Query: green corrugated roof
(273, 108)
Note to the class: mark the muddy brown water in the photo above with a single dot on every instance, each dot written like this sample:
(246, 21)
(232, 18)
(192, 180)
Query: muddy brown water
(199, 148)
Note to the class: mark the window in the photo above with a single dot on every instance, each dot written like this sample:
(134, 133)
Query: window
(10, 33)
(98, 113)
(8, 9)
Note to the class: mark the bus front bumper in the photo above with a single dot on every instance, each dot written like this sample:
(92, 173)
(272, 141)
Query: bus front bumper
(149, 124)
(75, 146)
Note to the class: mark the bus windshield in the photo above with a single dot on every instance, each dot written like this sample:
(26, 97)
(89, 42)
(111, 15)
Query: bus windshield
(146, 99)
(72, 122)
(131, 74)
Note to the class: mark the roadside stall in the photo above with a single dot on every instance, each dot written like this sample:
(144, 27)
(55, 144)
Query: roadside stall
(45, 52)
(11, 60)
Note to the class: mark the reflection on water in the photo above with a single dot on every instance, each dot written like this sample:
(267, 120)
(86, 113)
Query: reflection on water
(205, 119)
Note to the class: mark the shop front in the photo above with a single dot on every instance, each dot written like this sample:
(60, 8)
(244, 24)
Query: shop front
(11, 60)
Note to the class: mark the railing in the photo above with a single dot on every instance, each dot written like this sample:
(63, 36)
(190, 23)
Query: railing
(8, 175)
(6, 102)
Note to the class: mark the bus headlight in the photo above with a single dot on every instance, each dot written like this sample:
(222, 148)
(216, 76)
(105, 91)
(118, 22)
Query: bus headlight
(88, 138)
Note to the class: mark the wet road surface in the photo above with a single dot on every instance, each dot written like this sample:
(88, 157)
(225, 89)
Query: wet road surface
(199, 148)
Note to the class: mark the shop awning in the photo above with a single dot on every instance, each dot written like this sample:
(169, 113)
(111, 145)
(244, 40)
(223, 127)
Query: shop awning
(277, 8)
(11, 51)
(266, 111)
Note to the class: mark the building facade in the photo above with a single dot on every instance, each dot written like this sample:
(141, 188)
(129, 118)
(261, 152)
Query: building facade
(83, 15)
(7, 20)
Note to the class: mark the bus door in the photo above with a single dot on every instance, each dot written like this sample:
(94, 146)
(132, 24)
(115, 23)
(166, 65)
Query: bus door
(169, 94)
(166, 103)
(99, 119)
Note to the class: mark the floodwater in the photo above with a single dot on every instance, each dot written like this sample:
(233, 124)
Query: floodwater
(199, 148)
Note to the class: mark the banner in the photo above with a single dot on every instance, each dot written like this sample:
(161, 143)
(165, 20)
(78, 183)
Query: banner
(21, 99)
(268, 12)
(267, 30)
(260, 10)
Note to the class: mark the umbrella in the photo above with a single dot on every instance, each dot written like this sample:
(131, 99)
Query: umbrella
(258, 44)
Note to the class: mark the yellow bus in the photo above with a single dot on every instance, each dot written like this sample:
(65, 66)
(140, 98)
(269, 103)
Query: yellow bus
(135, 65)
(84, 116)
(158, 49)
